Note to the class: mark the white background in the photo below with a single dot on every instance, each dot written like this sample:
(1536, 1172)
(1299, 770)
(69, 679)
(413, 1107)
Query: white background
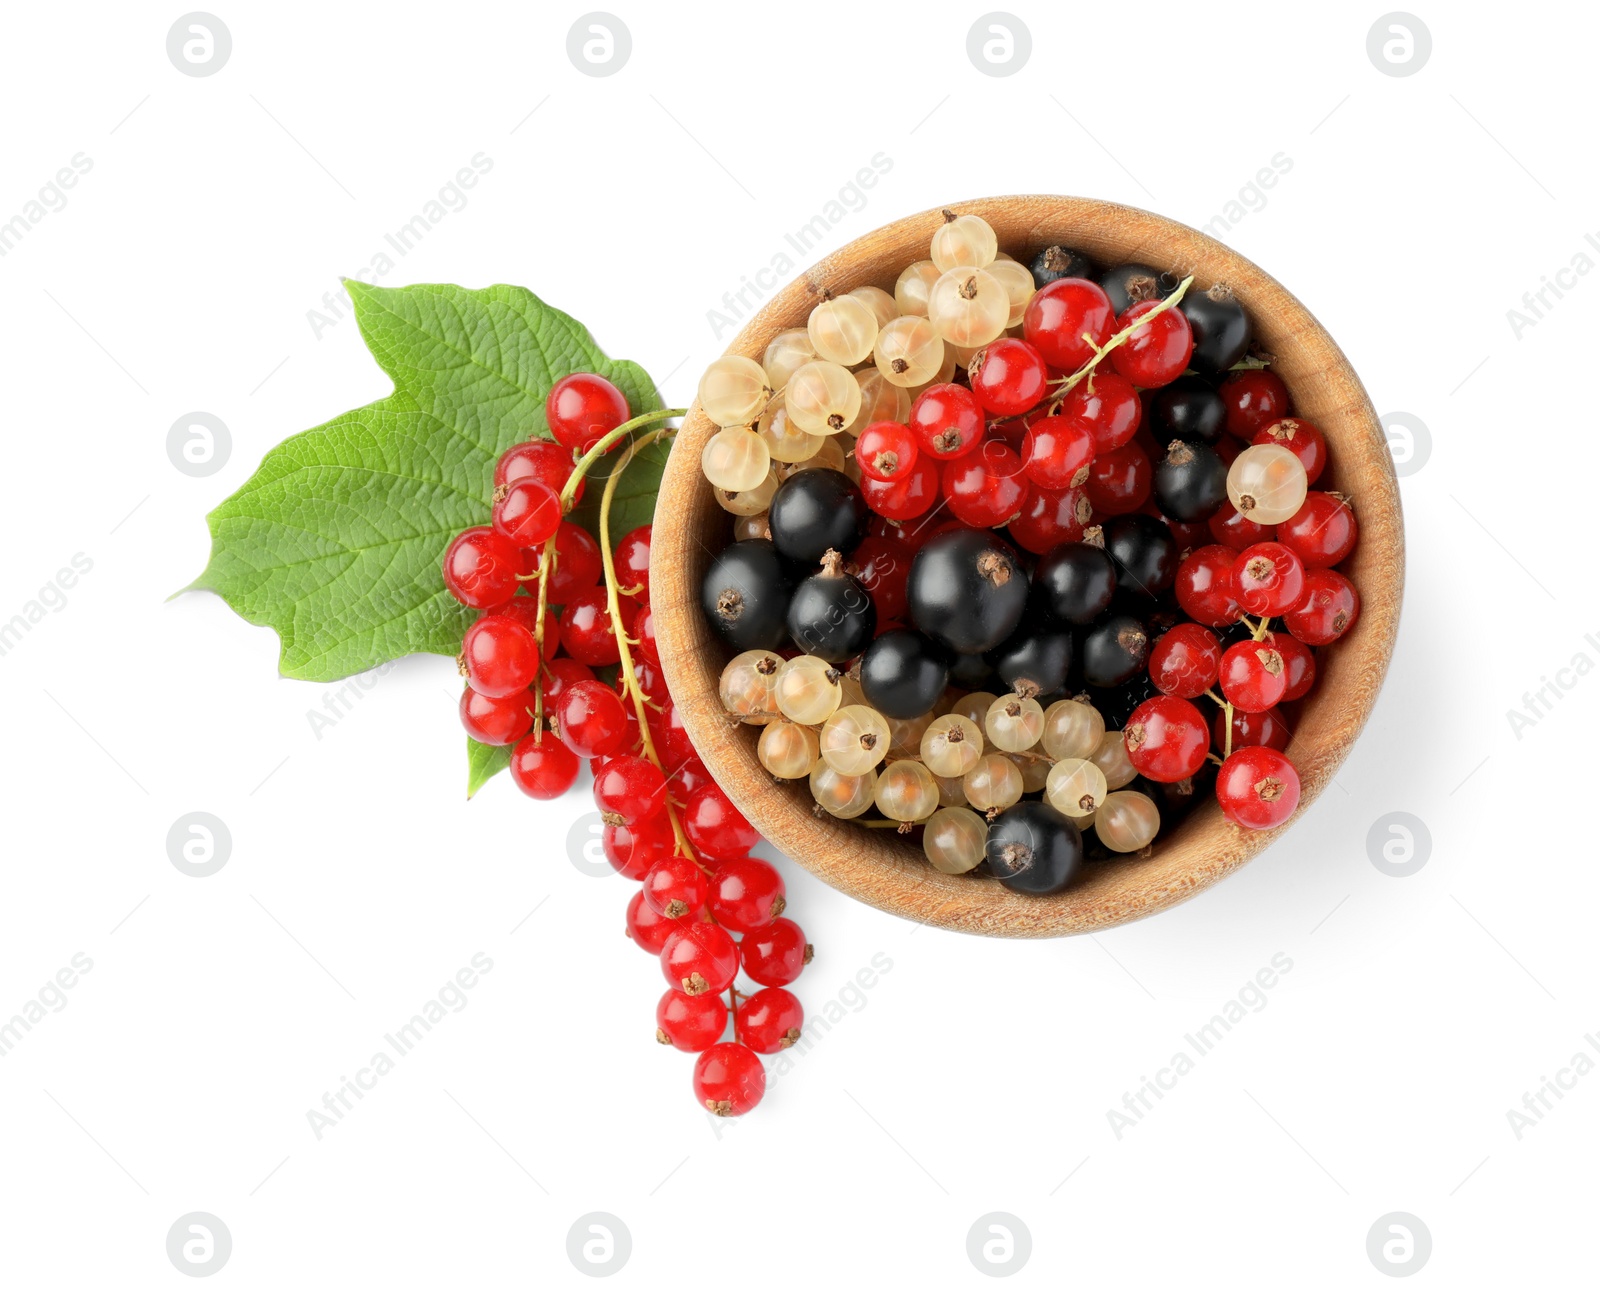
(978, 1075)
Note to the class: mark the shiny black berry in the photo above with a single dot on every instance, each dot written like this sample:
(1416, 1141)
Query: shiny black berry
(1116, 705)
(1188, 409)
(1130, 283)
(816, 511)
(1114, 650)
(1059, 262)
(903, 673)
(966, 590)
(1220, 325)
(1144, 551)
(830, 614)
(1033, 848)
(745, 595)
(1073, 583)
(1035, 660)
(971, 672)
(1190, 482)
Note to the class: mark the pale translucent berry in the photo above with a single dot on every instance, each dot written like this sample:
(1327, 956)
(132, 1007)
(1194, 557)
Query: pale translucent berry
(855, 739)
(952, 792)
(733, 390)
(808, 690)
(945, 374)
(906, 791)
(905, 735)
(787, 750)
(842, 330)
(1127, 822)
(823, 398)
(785, 441)
(909, 352)
(1017, 282)
(735, 458)
(974, 707)
(953, 840)
(1075, 787)
(1267, 483)
(994, 783)
(1014, 723)
(963, 240)
(830, 455)
(912, 287)
(749, 686)
(1072, 728)
(751, 526)
(968, 307)
(1111, 756)
(951, 745)
(880, 302)
(787, 353)
(1035, 770)
(840, 795)
(881, 400)
(752, 501)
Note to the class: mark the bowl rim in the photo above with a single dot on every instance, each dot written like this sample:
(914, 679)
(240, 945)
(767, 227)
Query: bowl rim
(872, 865)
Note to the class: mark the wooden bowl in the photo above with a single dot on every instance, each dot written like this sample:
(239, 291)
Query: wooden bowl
(889, 872)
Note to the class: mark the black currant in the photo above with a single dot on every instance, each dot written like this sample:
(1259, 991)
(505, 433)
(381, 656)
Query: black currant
(1114, 650)
(1190, 482)
(966, 590)
(971, 672)
(1033, 848)
(1188, 409)
(1116, 705)
(745, 595)
(1128, 284)
(816, 511)
(1073, 583)
(1059, 262)
(1035, 660)
(903, 673)
(1144, 551)
(830, 614)
(1220, 325)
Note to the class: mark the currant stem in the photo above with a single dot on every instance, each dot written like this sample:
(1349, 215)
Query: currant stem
(1068, 383)
(604, 444)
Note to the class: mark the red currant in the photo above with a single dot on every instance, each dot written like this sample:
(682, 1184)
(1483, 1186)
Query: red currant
(1268, 579)
(1267, 729)
(631, 559)
(1008, 376)
(529, 513)
(633, 848)
(1059, 315)
(746, 894)
(586, 628)
(1328, 609)
(591, 719)
(1252, 676)
(578, 563)
(985, 489)
(769, 1020)
(542, 766)
(885, 450)
(1253, 400)
(496, 721)
(1119, 481)
(1299, 665)
(690, 1023)
(1322, 532)
(499, 656)
(644, 627)
(671, 739)
(1257, 787)
(1185, 661)
(699, 958)
(1204, 586)
(882, 566)
(1050, 517)
(1231, 527)
(481, 568)
(714, 825)
(646, 928)
(1056, 452)
(525, 610)
(1108, 406)
(582, 409)
(687, 775)
(1189, 537)
(629, 789)
(907, 498)
(537, 459)
(1157, 351)
(1301, 438)
(1167, 739)
(729, 1079)
(775, 954)
(676, 888)
(947, 421)
(557, 675)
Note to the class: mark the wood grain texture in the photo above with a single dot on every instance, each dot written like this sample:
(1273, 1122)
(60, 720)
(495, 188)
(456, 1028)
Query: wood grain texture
(890, 873)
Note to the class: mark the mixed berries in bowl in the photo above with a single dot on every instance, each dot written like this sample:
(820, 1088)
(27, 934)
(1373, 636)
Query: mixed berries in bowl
(1026, 564)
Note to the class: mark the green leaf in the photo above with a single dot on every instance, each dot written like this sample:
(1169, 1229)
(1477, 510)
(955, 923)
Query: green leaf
(335, 542)
(484, 762)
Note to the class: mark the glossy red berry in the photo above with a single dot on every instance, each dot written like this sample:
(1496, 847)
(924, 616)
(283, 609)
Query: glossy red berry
(542, 766)
(985, 489)
(714, 825)
(1204, 586)
(1232, 528)
(583, 408)
(648, 677)
(1056, 452)
(499, 656)
(557, 675)
(769, 1020)
(578, 563)
(1166, 738)
(1301, 438)
(675, 887)
(1050, 517)
(525, 610)
(1322, 532)
(886, 450)
(746, 894)
(481, 568)
(633, 848)
(590, 719)
(1107, 405)
(529, 512)
(1268, 729)
(1327, 610)
(1258, 788)
(1119, 481)
(1268, 579)
(685, 776)
(776, 954)
(1253, 400)
(646, 928)
(1008, 376)
(882, 566)
(644, 627)
(631, 559)
(907, 498)
(629, 789)
(1158, 350)
(699, 958)
(497, 722)
(671, 739)
(947, 421)
(1185, 661)
(586, 628)
(729, 1079)
(1059, 315)
(537, 459)
(690, 1023)
(1252, 676)
(1299, 664)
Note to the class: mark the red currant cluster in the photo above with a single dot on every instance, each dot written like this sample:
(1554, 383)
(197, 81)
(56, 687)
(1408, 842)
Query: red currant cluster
(557, 605)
